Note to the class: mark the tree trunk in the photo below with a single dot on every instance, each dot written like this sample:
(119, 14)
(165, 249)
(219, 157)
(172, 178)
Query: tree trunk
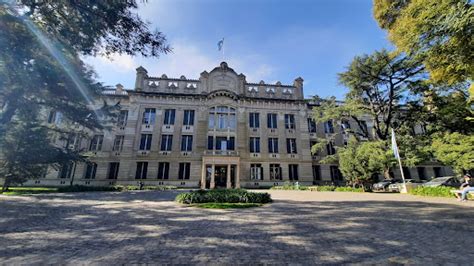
(5, 184)
(386, 173)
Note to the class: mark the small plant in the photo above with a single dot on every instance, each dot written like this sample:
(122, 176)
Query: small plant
(440, 191)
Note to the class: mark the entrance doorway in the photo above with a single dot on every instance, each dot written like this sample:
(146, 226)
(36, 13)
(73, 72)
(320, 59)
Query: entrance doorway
(221, 176)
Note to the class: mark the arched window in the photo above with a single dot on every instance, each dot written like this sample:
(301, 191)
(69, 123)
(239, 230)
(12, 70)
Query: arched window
(222, 118)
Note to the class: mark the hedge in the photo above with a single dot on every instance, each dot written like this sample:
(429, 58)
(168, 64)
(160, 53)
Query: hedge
(317, 188)
(440, 191)
(81, 188)
(223, 196)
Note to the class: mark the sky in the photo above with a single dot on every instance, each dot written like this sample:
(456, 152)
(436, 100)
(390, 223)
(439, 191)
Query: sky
(269, 40)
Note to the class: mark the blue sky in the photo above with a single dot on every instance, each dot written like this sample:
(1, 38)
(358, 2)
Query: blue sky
(265, 40)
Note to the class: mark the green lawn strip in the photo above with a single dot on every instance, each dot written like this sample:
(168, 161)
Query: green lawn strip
(215, 205)
(30, 190)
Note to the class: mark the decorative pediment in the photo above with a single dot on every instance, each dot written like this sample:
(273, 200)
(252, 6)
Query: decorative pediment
(223, 94)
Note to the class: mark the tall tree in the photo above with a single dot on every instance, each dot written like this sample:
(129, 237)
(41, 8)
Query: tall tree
(438, 32)
(40, 65)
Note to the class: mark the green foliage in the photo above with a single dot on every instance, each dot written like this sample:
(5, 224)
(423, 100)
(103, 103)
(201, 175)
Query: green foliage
(438, 32)
(455, 150)
(318, 188)
(432, 191)
(289, 186)
(223, 196)
(348, 189)
(213, 205)
(80, 188)
(29, 190)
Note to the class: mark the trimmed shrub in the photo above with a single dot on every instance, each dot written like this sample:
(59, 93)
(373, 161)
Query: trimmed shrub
(433, 191)
(349, 189)
(80, 188)
(318, 188)
(223, 196)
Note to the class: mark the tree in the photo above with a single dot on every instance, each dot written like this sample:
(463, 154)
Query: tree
(360, 161)
(40, 64)
(455, 149)
(437, 32)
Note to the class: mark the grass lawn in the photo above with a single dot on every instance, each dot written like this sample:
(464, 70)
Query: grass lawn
(30, 190)
(215, 205)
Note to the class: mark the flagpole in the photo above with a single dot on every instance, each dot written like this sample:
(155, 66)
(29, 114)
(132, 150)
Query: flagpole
(404, 189)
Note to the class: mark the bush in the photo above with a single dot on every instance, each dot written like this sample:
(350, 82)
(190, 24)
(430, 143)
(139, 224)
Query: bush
(432, 191)
(131, 188)
(80, 188)
(223, 196)
(318, 188)
(289, 186)
(349, 189)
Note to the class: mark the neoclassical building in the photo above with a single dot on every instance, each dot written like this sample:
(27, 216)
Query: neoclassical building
(215, 131)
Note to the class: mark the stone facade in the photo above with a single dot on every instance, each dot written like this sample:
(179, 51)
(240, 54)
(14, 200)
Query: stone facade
(217, 131)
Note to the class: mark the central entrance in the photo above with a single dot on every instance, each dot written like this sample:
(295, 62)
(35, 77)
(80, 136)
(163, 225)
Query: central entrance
(221, 176)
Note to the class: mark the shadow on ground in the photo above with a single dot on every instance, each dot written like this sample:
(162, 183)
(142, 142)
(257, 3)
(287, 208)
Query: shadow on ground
(147, 227)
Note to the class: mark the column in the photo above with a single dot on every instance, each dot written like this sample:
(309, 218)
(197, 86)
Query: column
(213, 176)
(229, 183)
(203, 176)
(237, 176)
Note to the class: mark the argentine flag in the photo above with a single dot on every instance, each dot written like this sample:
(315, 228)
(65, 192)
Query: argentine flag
(394, 145)
(220, 44)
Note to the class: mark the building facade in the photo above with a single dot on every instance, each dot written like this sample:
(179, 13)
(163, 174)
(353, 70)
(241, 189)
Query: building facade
(215, 131)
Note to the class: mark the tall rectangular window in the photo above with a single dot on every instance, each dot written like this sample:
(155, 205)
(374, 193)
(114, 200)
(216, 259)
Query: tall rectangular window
(328, 127)
(272, 120)
(118, 143)
(113, 170)
(222, 143)
(291, 146)
(188, 119)
(311, 125)
(293, 172)
(66, 170)
(142, 168)
(91, 170)
(163, 170)
(256, 171)
(290, 121)
(272, 145)
(330, 149)
(316, 173)
(184, 170)
(186, 143)
(149, 116)
(210, 142)
(255, 145)
(421, 173)
(169, 117)
(55, 117)
(275, 172)
(336, 174)
(96, 143)
(345, 125)
(254, 120)
(166, 142)
(145, 142)
(122, 118)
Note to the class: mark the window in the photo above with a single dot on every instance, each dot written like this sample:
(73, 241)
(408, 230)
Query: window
(421, 173)
(96, 143)
(122, 118)
(272, 120)
(275, 172)
(188, 119)
(91, 170)
(328, 127)
(118, 143)
(166, 142)
(293, 172)
(74, 142)
(316, 173)
(55, 117)
(364, 127)
(163, 170)
(145, 142)
(330, 148)
(272, 145)
(221, 143)
(437, 171)
(222, 117)
(289, 121)
(311, 125)
(255, 145)
(254, 120)
(345, 125)
(149, 116)
(186, 143)
(66, 170)
(113, 170)
(184, 170)
(291, 146)
(406, 172)
(169, 116)
(336, 174)
(142, 168)
(256, 171)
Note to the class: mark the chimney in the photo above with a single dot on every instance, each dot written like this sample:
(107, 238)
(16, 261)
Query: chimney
(118, 89)
(142, 74)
